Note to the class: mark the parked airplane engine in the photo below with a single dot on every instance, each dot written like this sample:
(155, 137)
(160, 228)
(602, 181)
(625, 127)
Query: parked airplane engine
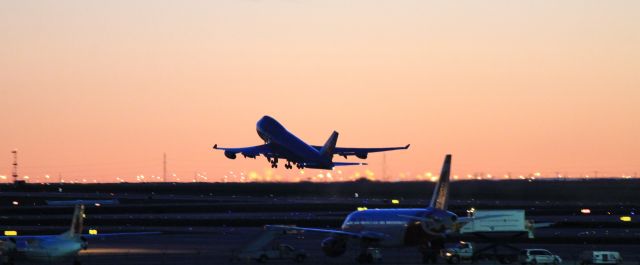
(362, 155)
(333, 247)
(230, 155)
(438, 222)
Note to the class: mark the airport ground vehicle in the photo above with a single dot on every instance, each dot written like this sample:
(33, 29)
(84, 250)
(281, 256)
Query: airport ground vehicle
(278, 252)
(465, 252)
(538, 256)
(600, 257)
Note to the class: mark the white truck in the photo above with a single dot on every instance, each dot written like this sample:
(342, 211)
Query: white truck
(463, 251)
(536, 256)
(600, 257)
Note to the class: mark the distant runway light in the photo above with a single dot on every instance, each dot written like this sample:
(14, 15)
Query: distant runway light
(15, 202)
(585, 211)
(625, 218)
(394, 201)
(10, 233)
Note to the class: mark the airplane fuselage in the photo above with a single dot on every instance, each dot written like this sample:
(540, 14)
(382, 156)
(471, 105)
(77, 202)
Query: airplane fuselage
(287, 144)
(52, 248)
(400, 230)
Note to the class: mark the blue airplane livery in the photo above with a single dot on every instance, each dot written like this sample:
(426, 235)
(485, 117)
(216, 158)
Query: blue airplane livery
(281, 144)
(54, 249)
(425, 228)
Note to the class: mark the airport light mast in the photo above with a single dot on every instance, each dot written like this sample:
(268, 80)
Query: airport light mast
(164, 167)
(15, 166)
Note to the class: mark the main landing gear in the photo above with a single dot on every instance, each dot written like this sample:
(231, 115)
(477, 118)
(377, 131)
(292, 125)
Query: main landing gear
(273, 161)
(288, 165)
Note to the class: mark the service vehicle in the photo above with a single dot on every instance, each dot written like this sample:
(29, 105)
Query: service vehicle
(600, 257)
(538, 256)
(465, 252)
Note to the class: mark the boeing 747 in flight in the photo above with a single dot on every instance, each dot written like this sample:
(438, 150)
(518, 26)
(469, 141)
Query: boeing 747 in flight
(281, 144)
(393, 228)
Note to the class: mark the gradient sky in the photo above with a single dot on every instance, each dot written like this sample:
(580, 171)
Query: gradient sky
(100, 89)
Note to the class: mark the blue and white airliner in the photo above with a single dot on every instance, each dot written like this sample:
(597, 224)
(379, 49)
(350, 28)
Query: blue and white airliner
(54, 249)
(425, 228)
(281, 144)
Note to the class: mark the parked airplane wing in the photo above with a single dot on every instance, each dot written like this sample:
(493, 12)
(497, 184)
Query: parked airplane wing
(26, 237)
(360, 152)
(120, 234)
(251, 151)
(361, 235)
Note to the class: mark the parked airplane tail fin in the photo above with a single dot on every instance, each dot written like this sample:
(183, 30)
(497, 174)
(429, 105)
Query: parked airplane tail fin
(441, 192)
(329, 146)
(76, 221)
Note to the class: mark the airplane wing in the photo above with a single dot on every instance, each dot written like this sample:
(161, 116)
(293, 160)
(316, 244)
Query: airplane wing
(360, 152)
(340, 164)
(83, 235)
(251, 151)
(120, 234)
(371, 235)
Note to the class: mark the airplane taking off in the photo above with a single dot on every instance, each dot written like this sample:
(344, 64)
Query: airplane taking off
(55, 248)
(393, 228)
(281, 144)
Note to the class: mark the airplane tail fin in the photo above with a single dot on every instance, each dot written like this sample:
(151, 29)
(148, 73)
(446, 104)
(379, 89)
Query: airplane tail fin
(441, 192)
(76, 221)
(329, 146)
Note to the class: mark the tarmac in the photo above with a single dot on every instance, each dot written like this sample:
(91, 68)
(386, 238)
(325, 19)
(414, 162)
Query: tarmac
(216, 248)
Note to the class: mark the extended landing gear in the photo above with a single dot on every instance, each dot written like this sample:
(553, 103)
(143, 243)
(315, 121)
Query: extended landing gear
(289, 165)
(273, 161)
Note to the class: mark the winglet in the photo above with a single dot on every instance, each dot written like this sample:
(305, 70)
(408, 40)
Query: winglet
(215, 146)
(407, 147)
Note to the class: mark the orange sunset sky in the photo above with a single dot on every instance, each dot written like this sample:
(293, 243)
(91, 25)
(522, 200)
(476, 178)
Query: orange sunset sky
(99, 90)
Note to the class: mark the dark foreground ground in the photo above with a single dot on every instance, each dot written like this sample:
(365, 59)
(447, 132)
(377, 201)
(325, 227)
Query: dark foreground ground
(216, 247)
(203, 223)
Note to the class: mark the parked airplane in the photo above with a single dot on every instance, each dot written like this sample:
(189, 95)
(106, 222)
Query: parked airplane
(281, 144)
(55, 248)
(393, 228)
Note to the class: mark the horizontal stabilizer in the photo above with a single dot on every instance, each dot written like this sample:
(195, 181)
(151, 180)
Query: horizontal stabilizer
(340, 164)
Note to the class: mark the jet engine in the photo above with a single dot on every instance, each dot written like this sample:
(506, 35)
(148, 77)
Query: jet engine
(230, 155)
(438, 222)
(362, 155)
(333, 247)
